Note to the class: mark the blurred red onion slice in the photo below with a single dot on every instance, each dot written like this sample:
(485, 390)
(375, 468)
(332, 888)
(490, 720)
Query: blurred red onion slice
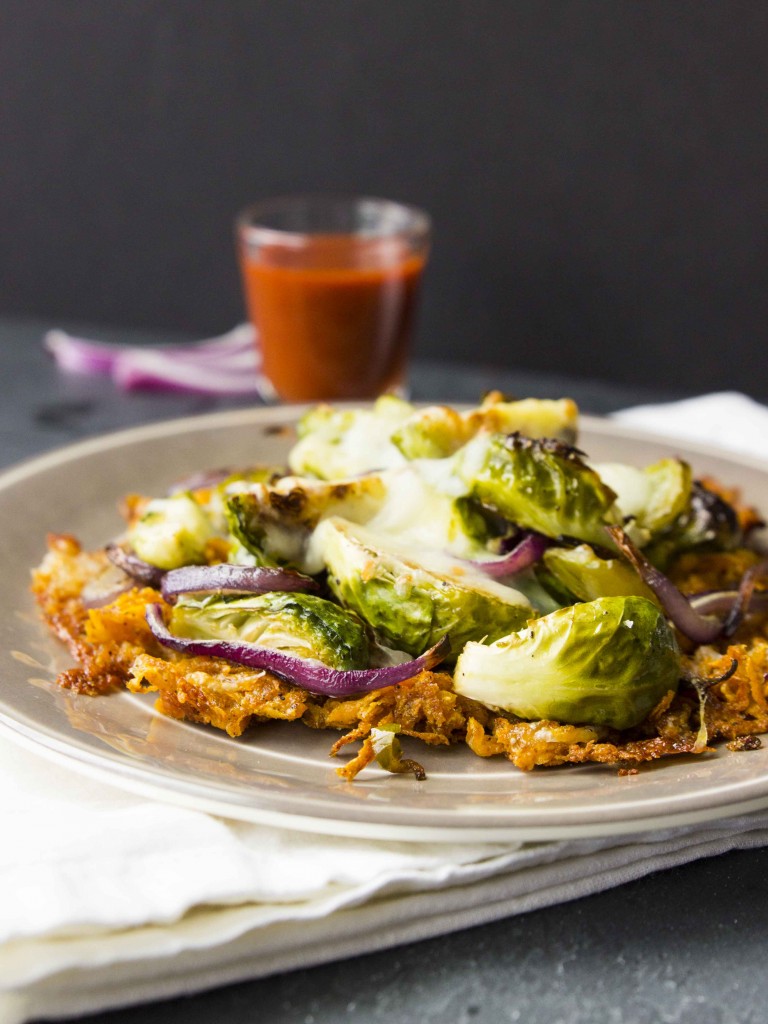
(226, 365)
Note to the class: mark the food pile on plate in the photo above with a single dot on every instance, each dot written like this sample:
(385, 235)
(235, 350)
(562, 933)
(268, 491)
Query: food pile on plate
(456, 577)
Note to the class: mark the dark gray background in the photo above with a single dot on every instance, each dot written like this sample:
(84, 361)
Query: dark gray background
(596, 169)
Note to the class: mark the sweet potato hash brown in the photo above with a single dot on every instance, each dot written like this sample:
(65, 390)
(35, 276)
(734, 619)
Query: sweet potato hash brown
(326, 530)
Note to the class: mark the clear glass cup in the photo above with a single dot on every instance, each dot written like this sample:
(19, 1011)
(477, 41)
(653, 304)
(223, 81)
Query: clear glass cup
(331, 285)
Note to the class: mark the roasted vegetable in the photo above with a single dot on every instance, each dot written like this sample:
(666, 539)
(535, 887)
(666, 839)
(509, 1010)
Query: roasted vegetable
(299, 624)
(541, 485)
(337, 443)
(606, 662)
(652, 497)
(410, 597)
(580, 574)
(312, 675)
(171, 532)
(707, 523)
(274, 523)
(345, 442)
(440, 431)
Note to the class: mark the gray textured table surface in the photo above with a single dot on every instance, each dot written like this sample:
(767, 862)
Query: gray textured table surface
(682, 946)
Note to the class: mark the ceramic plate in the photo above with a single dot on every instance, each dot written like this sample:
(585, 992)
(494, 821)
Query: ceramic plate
(281, 774)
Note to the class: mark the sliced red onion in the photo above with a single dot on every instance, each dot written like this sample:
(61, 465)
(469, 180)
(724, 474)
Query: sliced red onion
(135, 567)
(721, 602)
(158, 371)
(311, 675)
(225, 365)
(77, 355)
(745, 600)
(528, 551)
(702, 629)
(225, 578)
(104, 588)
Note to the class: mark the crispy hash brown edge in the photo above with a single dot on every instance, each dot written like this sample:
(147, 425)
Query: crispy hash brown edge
(113, 648)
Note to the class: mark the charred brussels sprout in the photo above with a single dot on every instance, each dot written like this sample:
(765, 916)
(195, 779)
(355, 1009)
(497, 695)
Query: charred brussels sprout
(440, 431)
(607, 662)
(274, 523)
(171, 532)
(345, 442)
(298, 624)
(542, 485)
(214, 498)
(413, 598)
(708, 523)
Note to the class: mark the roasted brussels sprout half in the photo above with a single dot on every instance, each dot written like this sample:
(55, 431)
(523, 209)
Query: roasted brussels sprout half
(171, 532)
(580, 574)
(346, 442)
(440, 431)
(542, 485)
(274, 523)
(653, 497)
(422, 509)
(298, 624)
(411, 597)
(214, 497)
(708, 523)
(338, 443)
(606, 662)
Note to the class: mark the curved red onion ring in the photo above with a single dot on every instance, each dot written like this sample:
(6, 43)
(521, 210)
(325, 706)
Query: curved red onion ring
(702, 629)
(311, 675)
(244, 579)
(524, 554)
(135, 567)
(746, 597)
(228, 364)
(687, 617)
(722, 602)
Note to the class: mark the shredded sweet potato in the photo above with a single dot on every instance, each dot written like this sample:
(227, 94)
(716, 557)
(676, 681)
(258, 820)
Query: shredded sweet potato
(114, 647)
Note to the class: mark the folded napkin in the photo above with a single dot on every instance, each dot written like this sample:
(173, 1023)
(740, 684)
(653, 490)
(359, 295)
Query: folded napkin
(107, 898)
(725, 419)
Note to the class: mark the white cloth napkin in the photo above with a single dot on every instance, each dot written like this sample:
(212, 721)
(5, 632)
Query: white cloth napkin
(108, 899)
(725, 419)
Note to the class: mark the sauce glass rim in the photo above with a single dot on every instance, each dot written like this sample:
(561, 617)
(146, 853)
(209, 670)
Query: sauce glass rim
(392, 219)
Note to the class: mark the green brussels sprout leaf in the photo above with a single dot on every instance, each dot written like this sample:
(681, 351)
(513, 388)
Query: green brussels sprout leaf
(389, 754)
(411, 597)
(583, 575)
(653, 497)
(336, 443)
(171, 532)
(541, 485)
(300, 624)
(606, 662)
